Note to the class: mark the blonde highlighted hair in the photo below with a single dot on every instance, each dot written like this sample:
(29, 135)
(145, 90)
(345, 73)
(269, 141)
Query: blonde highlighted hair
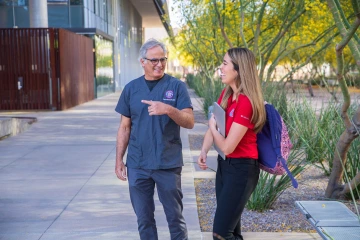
(248, 83)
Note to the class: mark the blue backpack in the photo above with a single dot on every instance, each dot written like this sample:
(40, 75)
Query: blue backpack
(274, 145)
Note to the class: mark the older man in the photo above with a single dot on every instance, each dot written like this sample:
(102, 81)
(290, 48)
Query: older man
(153, 107)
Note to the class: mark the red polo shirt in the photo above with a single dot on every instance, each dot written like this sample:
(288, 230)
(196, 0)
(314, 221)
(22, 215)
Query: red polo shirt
(241, 111)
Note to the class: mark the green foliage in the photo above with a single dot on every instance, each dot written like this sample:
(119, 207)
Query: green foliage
(176, 75)
(273, 30)
(209, 89)
(352, 80)
(104, 61)
(317, 133)
(275, 93)
(270, 187)
(305, 128)
(316, 81)
(103, 80)
(353, 166)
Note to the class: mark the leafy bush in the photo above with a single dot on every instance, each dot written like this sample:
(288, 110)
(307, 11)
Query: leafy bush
(352, 80)
(275, 93)
(175, 75)
(270, 187)
(319, 134)
(209, 89)
(103, 80)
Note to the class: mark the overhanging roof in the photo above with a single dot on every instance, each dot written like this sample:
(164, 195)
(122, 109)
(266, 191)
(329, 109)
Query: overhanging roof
(152, 13)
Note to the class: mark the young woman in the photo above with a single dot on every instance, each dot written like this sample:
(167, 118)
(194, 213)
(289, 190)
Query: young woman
(237, 174)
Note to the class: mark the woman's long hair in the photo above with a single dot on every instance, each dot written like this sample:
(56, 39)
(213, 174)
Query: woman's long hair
(247, 83)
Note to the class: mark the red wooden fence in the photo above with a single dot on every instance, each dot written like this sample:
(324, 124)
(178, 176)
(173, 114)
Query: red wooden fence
(45, 69)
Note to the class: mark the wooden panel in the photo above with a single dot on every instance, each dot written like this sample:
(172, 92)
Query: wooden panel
(55, 68)
(76, 69)
(24, 79)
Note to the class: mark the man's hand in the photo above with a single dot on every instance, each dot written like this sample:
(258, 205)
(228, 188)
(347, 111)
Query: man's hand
(120, 170)
(156, 107)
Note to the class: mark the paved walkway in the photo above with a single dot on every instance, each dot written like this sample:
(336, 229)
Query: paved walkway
(57, 180)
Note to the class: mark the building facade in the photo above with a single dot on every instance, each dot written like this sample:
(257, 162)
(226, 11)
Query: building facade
(116, 26)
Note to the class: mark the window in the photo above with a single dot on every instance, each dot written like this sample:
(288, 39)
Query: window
(58, 1)
(14, 2)
(76, 2)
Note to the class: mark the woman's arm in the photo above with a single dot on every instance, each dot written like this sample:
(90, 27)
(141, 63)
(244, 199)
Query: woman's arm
(227, 145)
(208, 141)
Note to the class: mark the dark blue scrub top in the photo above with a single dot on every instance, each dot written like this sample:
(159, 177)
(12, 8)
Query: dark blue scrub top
(154, 141)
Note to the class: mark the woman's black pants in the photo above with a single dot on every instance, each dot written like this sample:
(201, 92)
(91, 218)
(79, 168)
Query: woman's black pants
(236, 179)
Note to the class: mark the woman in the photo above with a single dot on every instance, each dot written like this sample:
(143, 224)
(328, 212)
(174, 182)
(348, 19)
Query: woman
(238, 174)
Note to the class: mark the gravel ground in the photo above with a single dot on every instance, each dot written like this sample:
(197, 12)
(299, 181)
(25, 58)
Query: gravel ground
(284, 217)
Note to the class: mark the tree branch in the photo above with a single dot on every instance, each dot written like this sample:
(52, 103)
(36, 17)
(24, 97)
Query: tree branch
(351, 185)
(221, 25)
(258, 26)
(340, 25)
(242, 17)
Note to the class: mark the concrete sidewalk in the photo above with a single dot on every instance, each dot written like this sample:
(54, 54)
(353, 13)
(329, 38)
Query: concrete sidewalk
(57, 180)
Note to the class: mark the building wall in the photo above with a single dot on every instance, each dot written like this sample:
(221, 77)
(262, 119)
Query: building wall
(129, 40)
(117, 18)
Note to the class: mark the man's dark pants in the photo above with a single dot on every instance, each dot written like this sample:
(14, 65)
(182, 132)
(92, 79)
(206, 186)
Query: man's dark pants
(168, 183)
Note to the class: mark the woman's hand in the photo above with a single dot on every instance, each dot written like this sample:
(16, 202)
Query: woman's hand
(212, 122)
(202, 160)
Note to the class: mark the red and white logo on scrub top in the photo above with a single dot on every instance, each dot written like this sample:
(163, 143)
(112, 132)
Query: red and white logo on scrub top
(169, 94)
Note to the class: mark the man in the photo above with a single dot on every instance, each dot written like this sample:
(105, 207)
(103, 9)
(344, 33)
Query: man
(153, 107)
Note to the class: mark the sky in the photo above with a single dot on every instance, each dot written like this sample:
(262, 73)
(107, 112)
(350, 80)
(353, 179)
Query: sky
(174, 16)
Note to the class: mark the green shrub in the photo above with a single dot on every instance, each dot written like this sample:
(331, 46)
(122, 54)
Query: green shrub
(275, 93)
(270, 187)
(103, 80)
(176, 75)
(208, 89)
(352, 80)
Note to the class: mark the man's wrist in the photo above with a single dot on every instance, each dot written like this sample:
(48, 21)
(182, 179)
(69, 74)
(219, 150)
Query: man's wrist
(168, 109)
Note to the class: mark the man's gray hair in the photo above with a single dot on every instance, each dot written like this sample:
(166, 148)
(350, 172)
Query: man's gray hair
(152, 42)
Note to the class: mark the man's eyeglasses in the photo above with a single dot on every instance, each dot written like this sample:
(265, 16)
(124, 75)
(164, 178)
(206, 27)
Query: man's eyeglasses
(155, 61)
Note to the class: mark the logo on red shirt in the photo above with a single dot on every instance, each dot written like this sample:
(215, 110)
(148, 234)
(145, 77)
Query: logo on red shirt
(244, 117)
(231, 114)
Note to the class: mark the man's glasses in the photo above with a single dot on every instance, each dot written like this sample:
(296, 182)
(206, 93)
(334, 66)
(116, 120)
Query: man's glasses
(155, 61)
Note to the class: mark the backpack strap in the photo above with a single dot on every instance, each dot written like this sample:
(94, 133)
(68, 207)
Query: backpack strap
(276, 141)
(293, 180)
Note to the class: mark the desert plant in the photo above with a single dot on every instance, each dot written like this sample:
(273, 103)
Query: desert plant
(209, 89)
(270, 187)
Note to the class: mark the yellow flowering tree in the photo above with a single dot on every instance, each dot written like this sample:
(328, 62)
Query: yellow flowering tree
(277, 31)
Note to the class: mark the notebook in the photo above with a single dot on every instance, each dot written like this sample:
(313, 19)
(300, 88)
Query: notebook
(219, 114)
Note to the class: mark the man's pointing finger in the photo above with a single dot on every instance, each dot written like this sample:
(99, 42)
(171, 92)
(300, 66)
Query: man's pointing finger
(146, 102)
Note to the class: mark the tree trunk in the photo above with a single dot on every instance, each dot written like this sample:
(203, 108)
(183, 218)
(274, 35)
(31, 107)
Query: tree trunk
(336, 189)
(311, 92)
